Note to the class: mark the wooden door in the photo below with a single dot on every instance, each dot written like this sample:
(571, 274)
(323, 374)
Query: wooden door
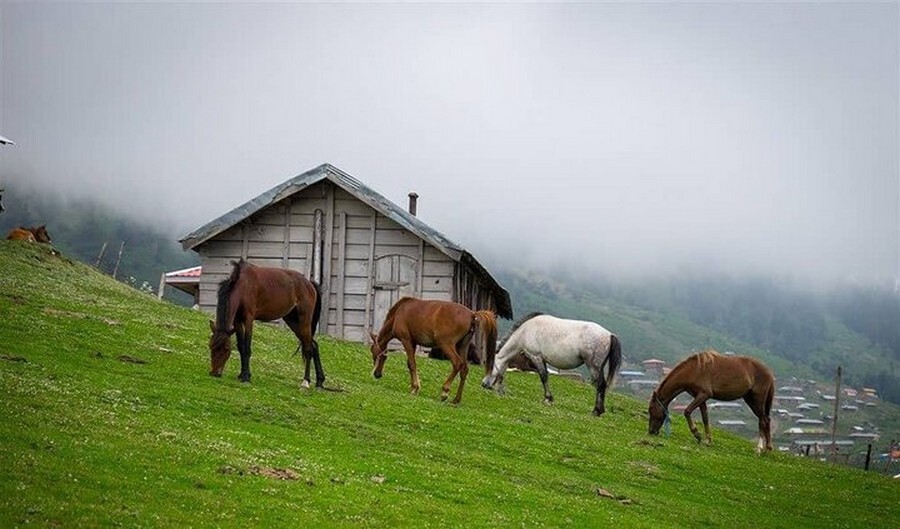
(394, 277)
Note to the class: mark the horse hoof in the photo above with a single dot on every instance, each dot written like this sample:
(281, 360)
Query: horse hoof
(304, 384)
(598, 412)
(444, 396)
(414, 391)
(244, 378)
(548, 401)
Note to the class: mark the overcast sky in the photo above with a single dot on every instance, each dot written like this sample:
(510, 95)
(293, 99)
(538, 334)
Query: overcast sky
(622, 137)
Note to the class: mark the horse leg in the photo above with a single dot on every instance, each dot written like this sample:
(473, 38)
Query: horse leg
(293, 321)
(244, 335)
(764, 439)
(698, 400)
(410, 349)
(544, 373)
(450, 351)
(705, 415)
(599, 381)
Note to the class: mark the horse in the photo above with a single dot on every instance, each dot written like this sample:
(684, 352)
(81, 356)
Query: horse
(713, 375)
(433, 323)
(33, 234)
(564, 344)
(257, 293)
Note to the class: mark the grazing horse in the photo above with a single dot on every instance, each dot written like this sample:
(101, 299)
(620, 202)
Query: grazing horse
(564, 344)
(710, 375)
(432, 323)
(33, 234)
(256, 293)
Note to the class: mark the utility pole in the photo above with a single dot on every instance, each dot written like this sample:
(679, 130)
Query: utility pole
(834, 420)
(100, 255)
(118, 259)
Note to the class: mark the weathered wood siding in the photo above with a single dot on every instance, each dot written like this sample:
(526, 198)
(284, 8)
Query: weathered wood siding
(371, 260)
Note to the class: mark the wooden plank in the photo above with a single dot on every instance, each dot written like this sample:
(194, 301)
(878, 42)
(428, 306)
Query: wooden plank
(305, 219)
(265, 233)
(396, 237)
(265, 250)
(357, 251)
(420, 267)
(356, 268)
(301, 234)
(224, 249)
(271, 216)
(439, 268)
(286, 243)
(311, 192)
(352, 207)
(359, 221)
(371, 277)
(408, 251)
(443, 296)
(433, 254)
(356, 285)
(244, 240)
(231, 234)
(386, 223)
(355, 334)
(326, 254)
(308, 207)
(437, 284)
(341, 273)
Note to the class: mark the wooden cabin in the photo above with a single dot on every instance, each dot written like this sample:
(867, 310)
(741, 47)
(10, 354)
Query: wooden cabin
(365, 251)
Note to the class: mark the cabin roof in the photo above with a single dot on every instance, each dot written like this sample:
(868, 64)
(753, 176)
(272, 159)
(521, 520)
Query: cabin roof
(365, 194)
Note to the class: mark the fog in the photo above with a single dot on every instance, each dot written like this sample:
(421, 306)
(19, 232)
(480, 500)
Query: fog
(626, 138)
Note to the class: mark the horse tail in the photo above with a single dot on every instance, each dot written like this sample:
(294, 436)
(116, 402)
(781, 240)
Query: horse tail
(614, 357)
(225, 288)
(488, 327)
(317, 311)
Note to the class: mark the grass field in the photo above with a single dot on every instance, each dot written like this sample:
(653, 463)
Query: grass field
(109, 418)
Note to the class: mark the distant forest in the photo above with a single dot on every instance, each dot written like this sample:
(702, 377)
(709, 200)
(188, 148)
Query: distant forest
(803, 325)
(80, 228)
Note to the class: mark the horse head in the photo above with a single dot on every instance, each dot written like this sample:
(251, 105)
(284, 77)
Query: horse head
(658, 414)
(219, 349)
(379, 356)
(40, 234)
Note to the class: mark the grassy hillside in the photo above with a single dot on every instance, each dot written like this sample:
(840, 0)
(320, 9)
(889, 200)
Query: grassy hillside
(109, 418)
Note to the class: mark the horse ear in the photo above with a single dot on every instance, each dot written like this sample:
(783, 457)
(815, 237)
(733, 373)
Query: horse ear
(212, 326)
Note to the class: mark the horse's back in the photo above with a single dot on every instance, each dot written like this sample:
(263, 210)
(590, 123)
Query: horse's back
(20, 234)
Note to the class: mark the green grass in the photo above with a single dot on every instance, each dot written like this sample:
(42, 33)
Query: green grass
(91, 440)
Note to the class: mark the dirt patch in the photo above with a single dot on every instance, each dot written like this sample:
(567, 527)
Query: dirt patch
(10, 358)
(131, 359)
(266, 472)
(603, 493)
(18, 300)
(274, 473)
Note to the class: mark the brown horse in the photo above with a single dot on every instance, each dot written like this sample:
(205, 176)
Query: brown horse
(33, 234)
(431, 323)
(710, 375)
(257, 293)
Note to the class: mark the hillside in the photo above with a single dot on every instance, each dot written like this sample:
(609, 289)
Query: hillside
(110, 418)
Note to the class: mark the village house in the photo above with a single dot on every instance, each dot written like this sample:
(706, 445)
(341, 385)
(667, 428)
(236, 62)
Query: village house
(365, 251)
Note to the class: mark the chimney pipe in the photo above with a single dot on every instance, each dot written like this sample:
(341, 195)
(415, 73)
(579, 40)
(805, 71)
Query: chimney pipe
(412, 203)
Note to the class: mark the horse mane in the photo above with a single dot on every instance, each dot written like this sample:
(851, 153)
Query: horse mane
(225, 288)
(702, 358)
(516, 326)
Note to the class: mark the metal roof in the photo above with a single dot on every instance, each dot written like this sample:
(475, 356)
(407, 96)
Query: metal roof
(365, 194)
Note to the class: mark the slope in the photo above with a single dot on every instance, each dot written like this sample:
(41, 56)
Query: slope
(110, 418)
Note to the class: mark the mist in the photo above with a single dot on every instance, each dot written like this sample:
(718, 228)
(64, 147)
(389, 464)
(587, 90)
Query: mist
(628, 139)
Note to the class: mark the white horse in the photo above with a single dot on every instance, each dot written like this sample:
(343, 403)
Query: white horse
(563, 344)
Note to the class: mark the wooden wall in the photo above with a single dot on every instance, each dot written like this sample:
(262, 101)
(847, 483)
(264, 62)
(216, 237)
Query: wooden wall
(371, 260)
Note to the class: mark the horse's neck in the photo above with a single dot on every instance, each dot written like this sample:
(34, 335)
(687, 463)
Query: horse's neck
(386, 333)
(668, 390)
